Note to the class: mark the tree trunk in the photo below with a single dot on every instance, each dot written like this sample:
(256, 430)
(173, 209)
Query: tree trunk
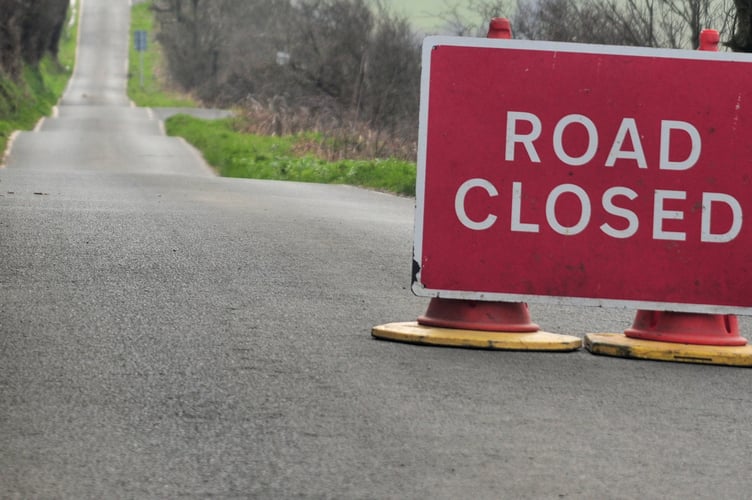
(741, 41)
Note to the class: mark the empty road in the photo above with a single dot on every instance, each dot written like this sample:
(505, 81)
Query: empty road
(165, 333)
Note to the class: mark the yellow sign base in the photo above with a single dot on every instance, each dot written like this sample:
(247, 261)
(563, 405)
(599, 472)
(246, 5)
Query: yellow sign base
(413, 333)
(619, 345)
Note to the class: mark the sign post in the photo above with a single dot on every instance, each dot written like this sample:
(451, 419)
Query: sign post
(140, 43)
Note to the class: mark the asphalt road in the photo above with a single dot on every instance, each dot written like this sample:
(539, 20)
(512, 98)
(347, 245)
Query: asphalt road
(165, 333)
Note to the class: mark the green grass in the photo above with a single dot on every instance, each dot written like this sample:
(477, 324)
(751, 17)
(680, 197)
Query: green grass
(154, 92)
(236, 154)
(24, 102)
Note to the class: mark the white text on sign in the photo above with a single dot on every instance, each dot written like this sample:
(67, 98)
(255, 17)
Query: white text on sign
(525, 137)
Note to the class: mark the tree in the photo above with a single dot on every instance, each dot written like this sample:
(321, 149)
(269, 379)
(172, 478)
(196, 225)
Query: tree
(190, 33)
(741, 40)
(391, 83)
(29, 30)
(10, 36)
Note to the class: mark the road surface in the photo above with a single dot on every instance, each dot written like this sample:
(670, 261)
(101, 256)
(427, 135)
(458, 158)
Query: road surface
(165, 333)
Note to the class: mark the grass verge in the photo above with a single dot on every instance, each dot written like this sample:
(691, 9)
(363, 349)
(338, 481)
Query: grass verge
(24, 101)
(154, 92)
(236, 154)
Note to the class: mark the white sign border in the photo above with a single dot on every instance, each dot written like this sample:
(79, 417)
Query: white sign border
(420, 185)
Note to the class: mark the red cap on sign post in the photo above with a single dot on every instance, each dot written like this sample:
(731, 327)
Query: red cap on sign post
(709, 40)
(500, 27)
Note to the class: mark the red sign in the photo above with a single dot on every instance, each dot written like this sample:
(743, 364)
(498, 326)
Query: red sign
(585, 174)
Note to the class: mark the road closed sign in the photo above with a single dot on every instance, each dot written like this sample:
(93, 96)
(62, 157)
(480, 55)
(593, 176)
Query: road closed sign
(585, 175)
